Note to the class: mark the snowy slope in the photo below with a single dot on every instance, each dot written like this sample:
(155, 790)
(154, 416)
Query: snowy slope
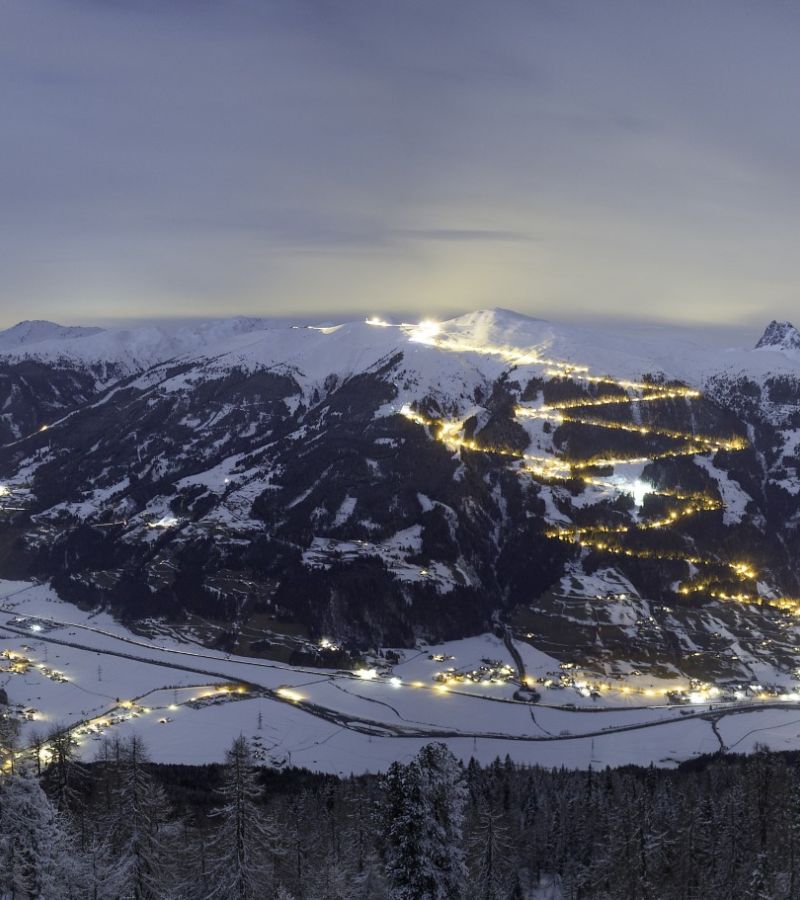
(475, 343)
(313, 353)
(121, 351)
(624, 351)
(27, 333)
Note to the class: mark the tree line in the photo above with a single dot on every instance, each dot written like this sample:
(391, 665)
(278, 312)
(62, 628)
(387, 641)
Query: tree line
(431, 829)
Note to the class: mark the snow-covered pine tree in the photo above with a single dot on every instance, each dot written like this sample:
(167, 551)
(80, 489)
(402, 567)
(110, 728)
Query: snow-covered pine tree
(64, 774)
(298, 842)
(333, 880)
(37, 857)
(9, 729)
(793, 860)
(135, 858)
(241, 851)
(445, 793)
(370, 883)
(424, 809)
(35, 741)
(64, 781)
(405, 832)
(490, 846)
(696, 854)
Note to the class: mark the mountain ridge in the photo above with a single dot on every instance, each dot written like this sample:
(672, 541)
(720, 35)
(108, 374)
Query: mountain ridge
(613, 349)
(779, 336)
(384, 482)
(34, 331)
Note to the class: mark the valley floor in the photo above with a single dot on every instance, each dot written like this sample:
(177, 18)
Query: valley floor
(65, 668)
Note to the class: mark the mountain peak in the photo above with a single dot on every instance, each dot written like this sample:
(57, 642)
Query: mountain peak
(780, 336)
(37, 330)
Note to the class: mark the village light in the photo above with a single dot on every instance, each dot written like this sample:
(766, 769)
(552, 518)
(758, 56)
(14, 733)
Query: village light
(289, 694)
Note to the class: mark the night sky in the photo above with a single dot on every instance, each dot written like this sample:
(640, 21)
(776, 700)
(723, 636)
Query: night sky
(269, 157)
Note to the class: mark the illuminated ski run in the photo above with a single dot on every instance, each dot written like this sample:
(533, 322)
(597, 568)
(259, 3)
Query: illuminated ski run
(600, 537)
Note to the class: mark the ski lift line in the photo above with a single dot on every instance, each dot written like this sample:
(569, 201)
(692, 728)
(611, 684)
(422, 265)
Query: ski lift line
(551, 468)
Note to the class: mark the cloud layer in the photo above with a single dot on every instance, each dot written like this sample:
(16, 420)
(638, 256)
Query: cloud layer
(259, 156)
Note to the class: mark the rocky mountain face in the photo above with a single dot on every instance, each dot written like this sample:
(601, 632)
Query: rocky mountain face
(780, 336)
(374, 484)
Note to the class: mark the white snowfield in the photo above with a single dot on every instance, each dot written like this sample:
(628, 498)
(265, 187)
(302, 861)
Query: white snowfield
(313, 353)
(69, 669)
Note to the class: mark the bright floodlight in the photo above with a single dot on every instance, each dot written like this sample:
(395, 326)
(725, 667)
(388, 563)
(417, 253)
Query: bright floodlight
(426, 331)
(164, 522)
(640, 490)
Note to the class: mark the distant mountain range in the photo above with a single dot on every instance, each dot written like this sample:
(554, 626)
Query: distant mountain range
(627, 496)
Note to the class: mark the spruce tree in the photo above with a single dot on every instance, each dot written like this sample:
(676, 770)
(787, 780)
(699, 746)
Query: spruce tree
(9, 730)
(64, 775)
(424, 809)
(37, 856)
(490, 848)
(245, 841)
(135, 853)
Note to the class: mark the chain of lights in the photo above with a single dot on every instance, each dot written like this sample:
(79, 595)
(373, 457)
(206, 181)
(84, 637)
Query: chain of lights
(599, 537)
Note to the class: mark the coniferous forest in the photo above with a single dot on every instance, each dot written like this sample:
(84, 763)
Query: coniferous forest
(432, 829)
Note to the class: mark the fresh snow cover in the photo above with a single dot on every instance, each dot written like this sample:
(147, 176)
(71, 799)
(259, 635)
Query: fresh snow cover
(346, 509)
(311, 354)
(601, 583)
(125, 350)
(26, 333)
(334, 721)
(392, 551)
(733, 495)
(629, 351)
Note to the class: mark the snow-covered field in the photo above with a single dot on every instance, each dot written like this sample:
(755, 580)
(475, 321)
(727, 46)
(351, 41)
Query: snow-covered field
(88, 672)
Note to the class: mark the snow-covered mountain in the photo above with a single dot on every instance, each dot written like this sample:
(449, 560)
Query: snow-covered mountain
(26, 333)
(315, 352)
(780, 336)
(117, 352)
(377, 482)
